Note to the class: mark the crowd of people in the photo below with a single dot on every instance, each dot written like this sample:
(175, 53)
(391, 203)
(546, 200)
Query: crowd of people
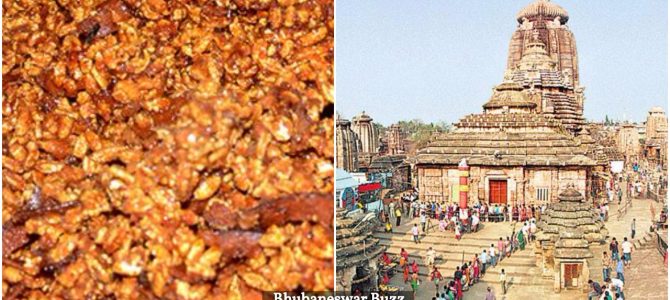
(468, 273)
(450, 217)
(612, 287)
(445, 217)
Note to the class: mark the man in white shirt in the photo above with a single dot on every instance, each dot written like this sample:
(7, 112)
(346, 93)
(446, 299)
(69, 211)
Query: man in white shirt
(492, 255)
(627, 247)
(430, 257)
(415, 234)
(484, 259)
(615, 284)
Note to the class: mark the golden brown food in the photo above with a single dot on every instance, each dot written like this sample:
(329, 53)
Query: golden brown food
(157, 149)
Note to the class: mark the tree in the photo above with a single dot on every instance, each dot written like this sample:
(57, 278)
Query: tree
(419, 133)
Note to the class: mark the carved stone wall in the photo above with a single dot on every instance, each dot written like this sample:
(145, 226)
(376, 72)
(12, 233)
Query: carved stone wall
(347, 146)
(436, 183)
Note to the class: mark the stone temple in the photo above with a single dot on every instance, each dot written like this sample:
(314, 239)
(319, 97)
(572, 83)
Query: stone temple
(531, 141)
(570, 232)
(347, 146)
(656, 141)
(368, 135)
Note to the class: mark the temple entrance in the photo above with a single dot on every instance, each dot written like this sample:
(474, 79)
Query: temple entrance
(497, 192)
(571, 273)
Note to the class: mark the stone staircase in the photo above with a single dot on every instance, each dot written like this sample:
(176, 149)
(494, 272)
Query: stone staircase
(520, 267)
(645, 241)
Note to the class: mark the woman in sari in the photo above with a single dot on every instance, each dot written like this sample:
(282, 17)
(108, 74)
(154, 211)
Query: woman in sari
(415, 267)
(404, 253)
(443, 225)
(522, 242)
(459, 289)
(405, 273)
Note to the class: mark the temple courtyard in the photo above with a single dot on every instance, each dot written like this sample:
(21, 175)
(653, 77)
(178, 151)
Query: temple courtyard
(646, 278)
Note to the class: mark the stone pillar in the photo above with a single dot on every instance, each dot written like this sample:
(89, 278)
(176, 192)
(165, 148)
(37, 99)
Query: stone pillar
(464, 174)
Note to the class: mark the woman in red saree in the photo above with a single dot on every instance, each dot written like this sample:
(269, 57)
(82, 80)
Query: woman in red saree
(404, 254)
(415, 267)
(459, 290)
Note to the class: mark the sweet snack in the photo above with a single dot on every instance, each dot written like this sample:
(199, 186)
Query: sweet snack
(157, 149)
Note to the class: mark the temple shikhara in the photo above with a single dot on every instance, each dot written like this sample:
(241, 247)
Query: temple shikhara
(531, 141)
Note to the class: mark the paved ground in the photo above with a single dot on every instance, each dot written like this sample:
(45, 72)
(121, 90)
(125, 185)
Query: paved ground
(646, 278)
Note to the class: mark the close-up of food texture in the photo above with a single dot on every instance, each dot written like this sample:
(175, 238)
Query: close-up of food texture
(166, 149)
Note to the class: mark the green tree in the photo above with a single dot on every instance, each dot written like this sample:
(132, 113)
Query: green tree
(419, 134)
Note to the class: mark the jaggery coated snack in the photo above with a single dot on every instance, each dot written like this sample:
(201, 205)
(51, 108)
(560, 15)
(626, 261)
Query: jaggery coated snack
(158, 149)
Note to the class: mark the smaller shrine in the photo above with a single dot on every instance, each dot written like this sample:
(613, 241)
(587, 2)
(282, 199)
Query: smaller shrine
(357, 252)
(570, 232)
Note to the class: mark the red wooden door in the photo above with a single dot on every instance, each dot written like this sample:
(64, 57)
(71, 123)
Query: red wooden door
(498, 191)
(570, 272)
